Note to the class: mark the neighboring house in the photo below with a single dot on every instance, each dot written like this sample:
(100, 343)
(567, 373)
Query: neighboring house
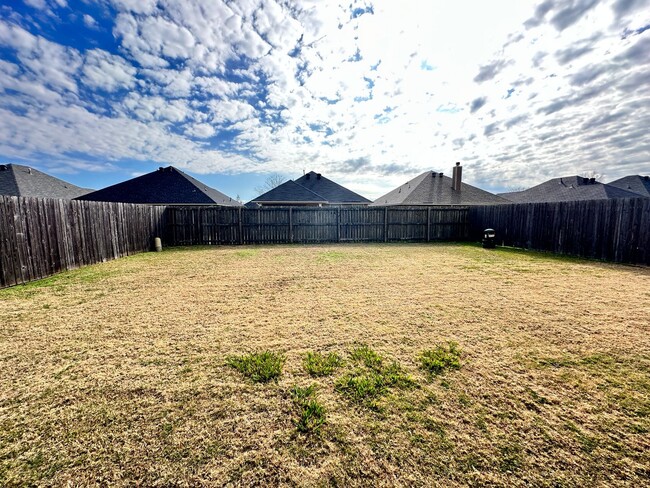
(311, 189)
(23, 181)
(432, 188)
(566, 189)
(635, 183)
(165, 186)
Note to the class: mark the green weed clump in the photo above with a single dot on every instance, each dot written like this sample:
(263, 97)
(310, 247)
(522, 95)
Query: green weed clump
(318, 364)
(373, 378)
(443, 357)
(367, 356)
(312, 414)
(260, 367)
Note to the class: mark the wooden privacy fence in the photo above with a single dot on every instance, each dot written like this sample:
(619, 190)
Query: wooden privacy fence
(40, 237)
(615, 230)
(187, 226)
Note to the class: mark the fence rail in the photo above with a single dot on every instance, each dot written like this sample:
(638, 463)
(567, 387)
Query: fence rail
(40, 236)
(187, 226)
(614, 230)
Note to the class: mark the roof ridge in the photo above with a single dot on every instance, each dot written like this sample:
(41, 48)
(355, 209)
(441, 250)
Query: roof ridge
(203, 188)
(312, 191)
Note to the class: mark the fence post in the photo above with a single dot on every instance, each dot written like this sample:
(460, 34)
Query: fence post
(290, 225)
(241, 234)
(385, 224)
(338, 224)
(428, 224)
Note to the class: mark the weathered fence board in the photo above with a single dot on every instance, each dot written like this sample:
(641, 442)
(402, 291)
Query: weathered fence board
(40, 237)
(614, 230)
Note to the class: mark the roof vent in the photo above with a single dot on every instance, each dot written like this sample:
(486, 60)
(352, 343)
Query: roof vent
(3, 167)
(440, 174)
(318, 176)
(592, 180)
(160, 168)
(29, 171)
(646, 178)
(585, 181)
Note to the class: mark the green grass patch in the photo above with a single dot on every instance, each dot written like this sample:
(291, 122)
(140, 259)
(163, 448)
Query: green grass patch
(247, 253)
(333, 256)
(318, 364)
(260, 367)
(373, 378)
(367, 356)
(443, 357)
(311, 413)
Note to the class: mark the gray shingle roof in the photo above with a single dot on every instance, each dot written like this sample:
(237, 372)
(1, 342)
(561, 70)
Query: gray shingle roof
(163, 186)
(635, 183)
(430, 188)
(331, 191)
(290, 192)
(565, 189)
(311, 188)
(23, 181)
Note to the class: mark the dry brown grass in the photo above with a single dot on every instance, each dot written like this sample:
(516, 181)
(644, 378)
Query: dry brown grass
(116, 374)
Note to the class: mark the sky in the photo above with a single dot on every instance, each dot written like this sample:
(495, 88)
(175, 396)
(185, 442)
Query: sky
(368, 93)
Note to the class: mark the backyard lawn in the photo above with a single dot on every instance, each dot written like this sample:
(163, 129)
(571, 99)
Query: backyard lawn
(341, 365)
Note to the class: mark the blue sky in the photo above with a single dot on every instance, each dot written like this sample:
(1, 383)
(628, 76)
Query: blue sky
(368, 93)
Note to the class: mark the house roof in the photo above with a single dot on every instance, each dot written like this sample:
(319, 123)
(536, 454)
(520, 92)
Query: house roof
(433, 188)
(568, 188)
(290, 192)
(311, 188)
(331, 191)
(634, 183)
(164, 186)
(23, 181)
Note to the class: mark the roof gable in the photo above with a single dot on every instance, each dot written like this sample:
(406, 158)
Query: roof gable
(433, 188)
(330, 190)
(568, 188)
(163, 186)
(290, 192)
(635, 183)
(23, 181)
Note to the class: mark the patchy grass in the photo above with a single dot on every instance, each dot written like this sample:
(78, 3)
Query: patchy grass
(312, 415)
(318, 364)
(260, 367)
(131, 372)
(371, 380)
(440, 359)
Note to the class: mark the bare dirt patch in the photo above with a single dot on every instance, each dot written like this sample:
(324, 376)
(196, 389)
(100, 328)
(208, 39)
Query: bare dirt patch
(118, 373)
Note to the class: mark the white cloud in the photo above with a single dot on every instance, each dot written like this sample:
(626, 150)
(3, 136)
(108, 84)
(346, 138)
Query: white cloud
(106, 71)
(39, 4)
(136, 6)
(53, 64)
(200, 131)
(90, 22)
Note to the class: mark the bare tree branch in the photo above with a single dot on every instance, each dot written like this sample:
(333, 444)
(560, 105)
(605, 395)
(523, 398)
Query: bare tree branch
(270, 182)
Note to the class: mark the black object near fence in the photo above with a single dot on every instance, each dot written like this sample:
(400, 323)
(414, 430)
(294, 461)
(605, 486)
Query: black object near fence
(40, 237)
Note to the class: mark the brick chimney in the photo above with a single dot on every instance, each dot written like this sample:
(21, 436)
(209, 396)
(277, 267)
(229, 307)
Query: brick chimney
(457, 177)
